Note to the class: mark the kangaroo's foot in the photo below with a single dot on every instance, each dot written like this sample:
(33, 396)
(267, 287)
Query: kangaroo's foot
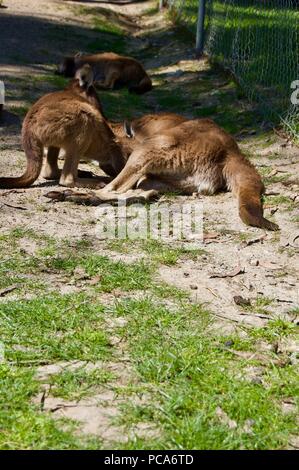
(102, 196)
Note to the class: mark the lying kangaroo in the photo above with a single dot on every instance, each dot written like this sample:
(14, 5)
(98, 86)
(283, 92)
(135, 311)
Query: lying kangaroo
(110, 70)
(193, 156)
(72, 120)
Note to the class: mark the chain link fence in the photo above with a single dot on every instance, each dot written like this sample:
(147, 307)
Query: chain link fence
(258, 40)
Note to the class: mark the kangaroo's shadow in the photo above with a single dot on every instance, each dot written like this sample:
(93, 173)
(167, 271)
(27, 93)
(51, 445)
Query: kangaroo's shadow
(9, 119)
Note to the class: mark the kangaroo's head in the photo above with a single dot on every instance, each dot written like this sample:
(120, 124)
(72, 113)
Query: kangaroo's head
(67, 68)
(85, 76)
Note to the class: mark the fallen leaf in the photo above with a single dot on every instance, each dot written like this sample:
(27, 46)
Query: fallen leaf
(238, 270)
(239, 300)
(207, 236)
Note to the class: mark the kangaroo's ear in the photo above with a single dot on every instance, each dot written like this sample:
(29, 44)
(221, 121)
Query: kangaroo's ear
(128, 130)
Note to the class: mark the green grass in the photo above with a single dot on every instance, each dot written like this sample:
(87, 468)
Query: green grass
(156, 251)
(102, 19)
(79, 383)
(22, 425)
(17, 267)
(170, 100)
(190, 375)
(120, 104)
(151, 11)
(242, 37)
(259, 305)
(56, 80)
(109, 25)
(108, 43)
(113, 275)
(284, 202)
(185, 370)
(53, 328)
(268, 179)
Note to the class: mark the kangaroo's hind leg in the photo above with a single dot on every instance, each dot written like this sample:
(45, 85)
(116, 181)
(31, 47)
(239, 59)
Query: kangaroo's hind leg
(109, 82)
(51, 170)
(133, 171)
(69, 172)
(158, 184)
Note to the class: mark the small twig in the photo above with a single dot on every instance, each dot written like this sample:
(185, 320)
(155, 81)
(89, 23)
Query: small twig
(255, 240)
(12, 191)
(272, 193)
(3, 292)
(244, 285)
(231, 319)
(237, 353)
(267, 317)
(42, 400)
(31, 361)
(212, 292)
(14, 207)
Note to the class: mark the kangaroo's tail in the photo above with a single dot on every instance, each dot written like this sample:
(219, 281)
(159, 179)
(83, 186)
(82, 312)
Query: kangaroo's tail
(34, 154)
(143, 86)
(245, 182)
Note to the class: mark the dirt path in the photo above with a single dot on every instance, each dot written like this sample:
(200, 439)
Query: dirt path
(237, 261)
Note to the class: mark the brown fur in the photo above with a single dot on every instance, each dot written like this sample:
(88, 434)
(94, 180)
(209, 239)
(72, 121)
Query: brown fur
(131, 134)
(110, 70)
(71, 120)
(194, 156)
(152, 124)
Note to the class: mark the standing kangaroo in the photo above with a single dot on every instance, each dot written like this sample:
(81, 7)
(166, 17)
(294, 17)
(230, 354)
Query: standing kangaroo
(71, 120)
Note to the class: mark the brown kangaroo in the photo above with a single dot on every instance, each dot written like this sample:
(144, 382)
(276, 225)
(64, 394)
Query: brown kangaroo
(72, 120)
(193, 156)
(110, 70)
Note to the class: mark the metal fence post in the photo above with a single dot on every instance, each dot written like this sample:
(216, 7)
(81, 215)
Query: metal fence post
(200, 28)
